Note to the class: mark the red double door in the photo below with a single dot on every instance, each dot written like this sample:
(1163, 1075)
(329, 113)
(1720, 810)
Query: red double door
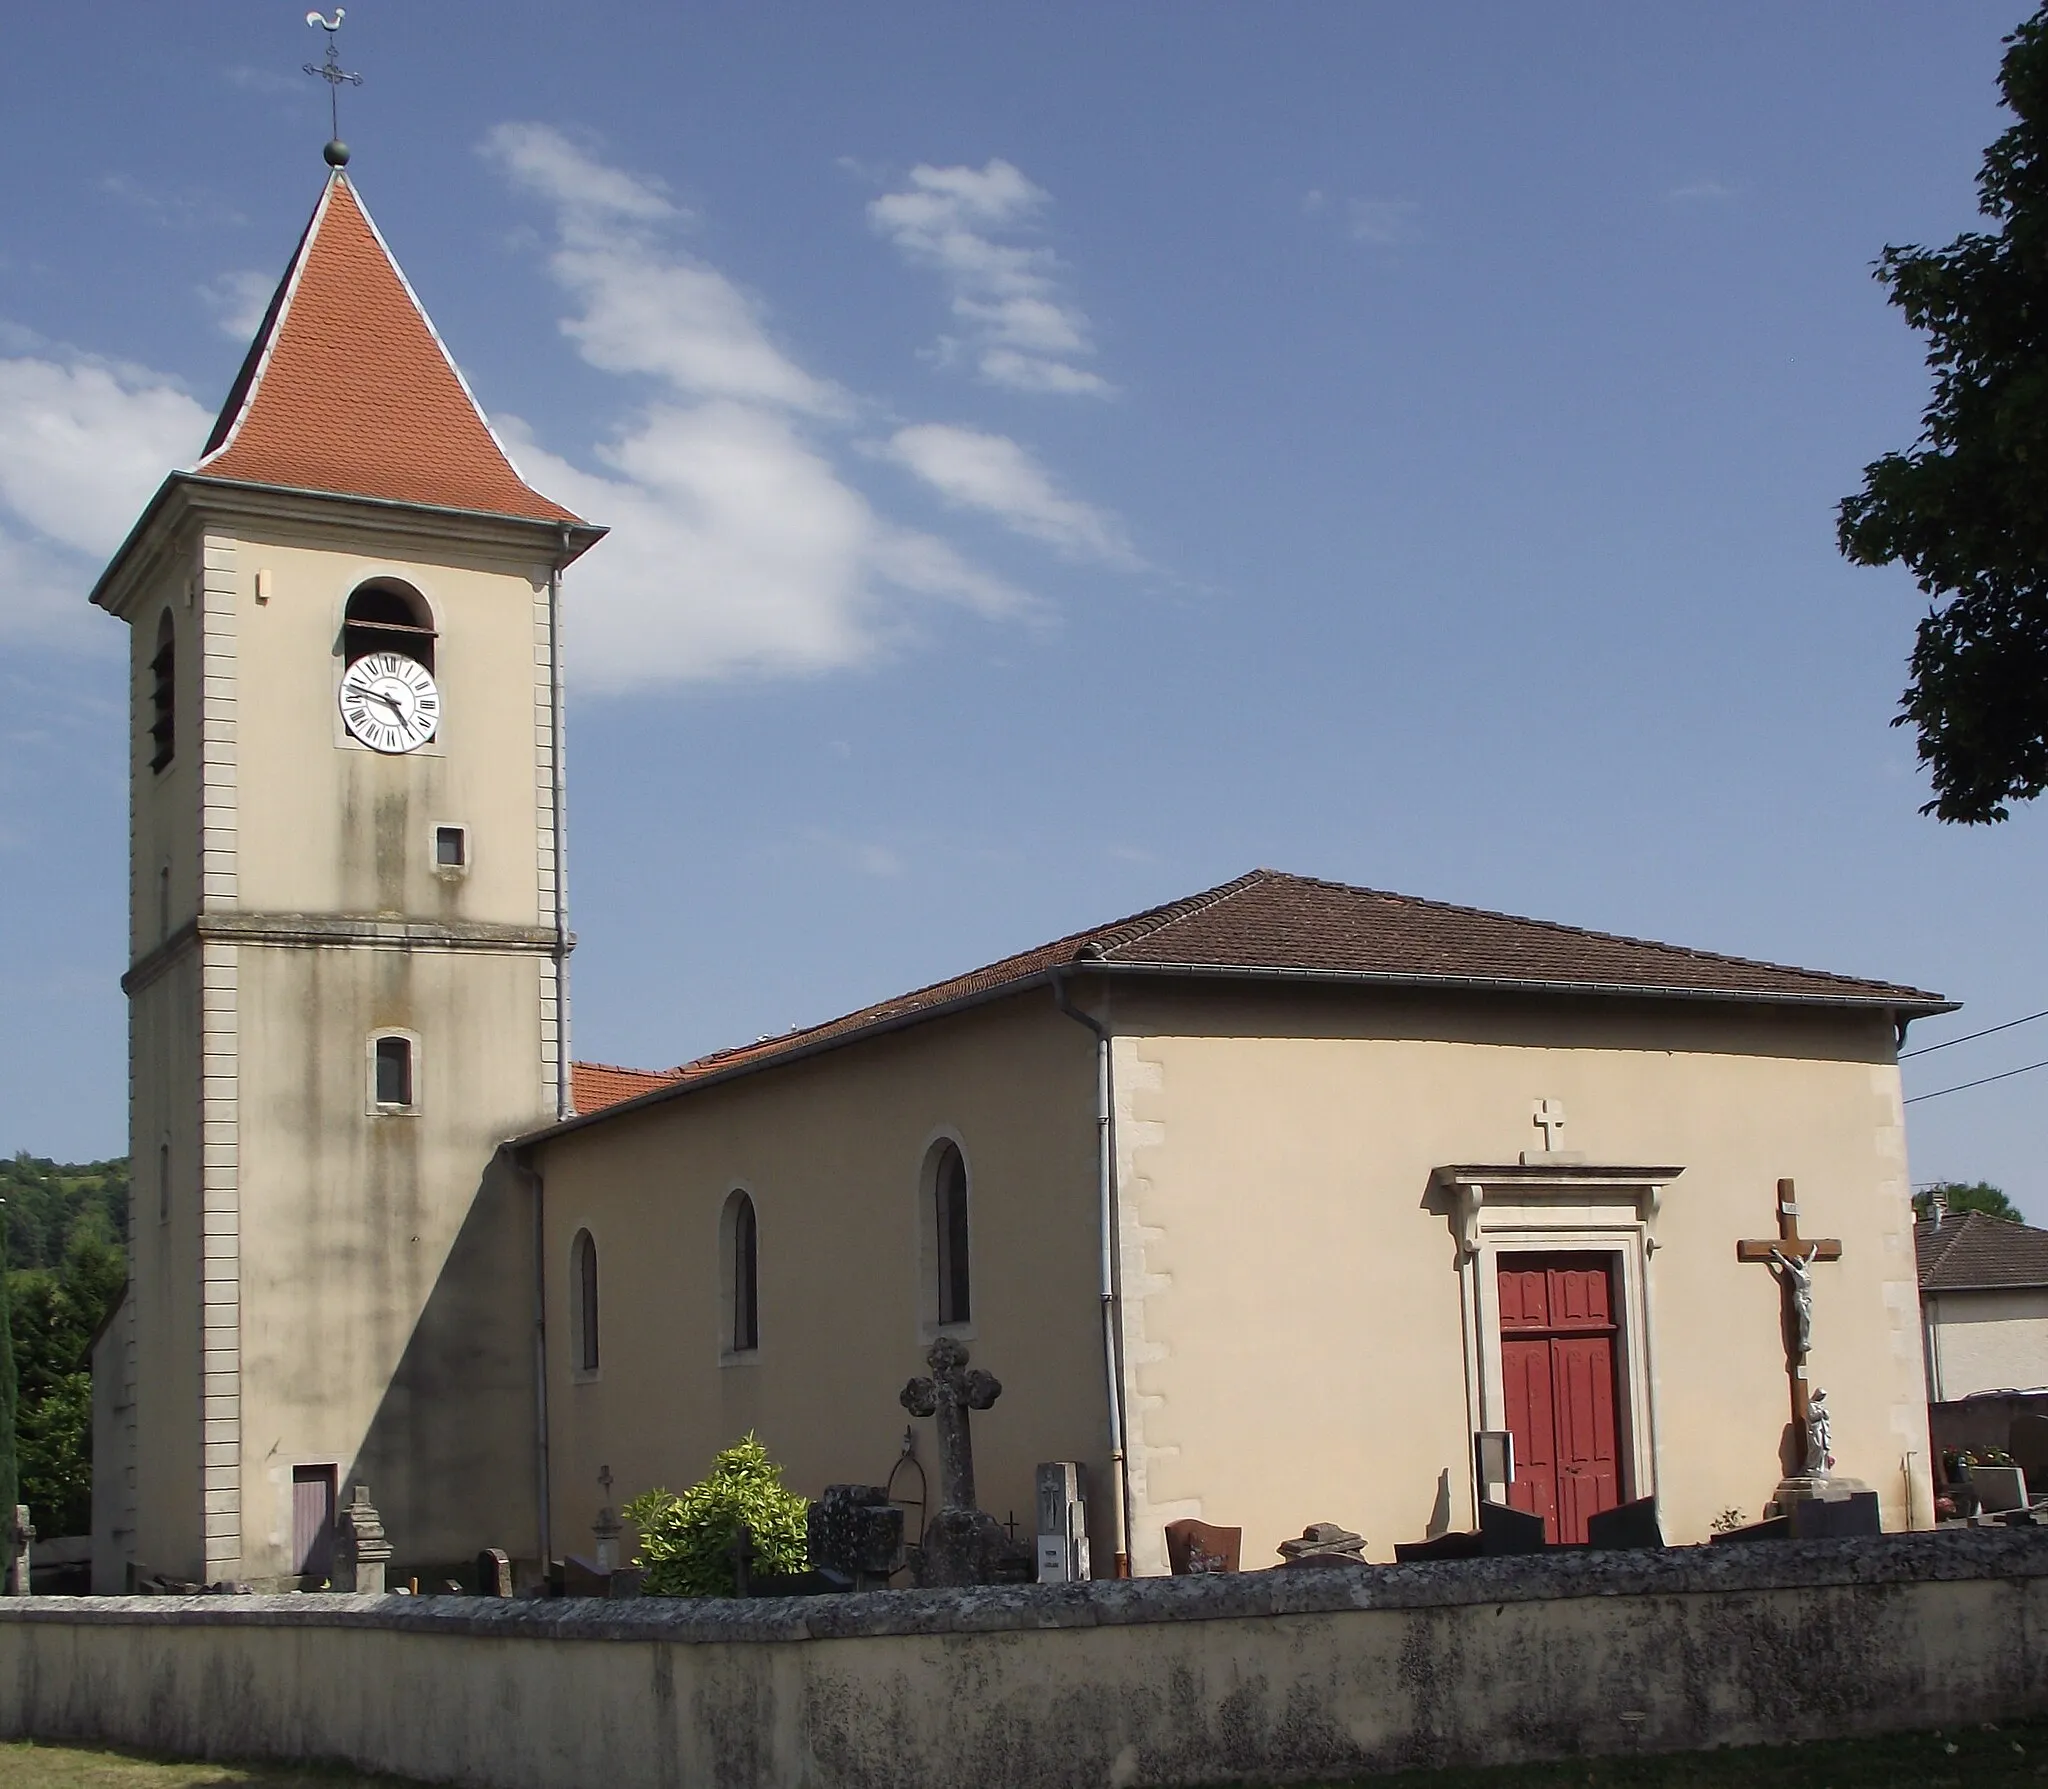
(1557, 1339)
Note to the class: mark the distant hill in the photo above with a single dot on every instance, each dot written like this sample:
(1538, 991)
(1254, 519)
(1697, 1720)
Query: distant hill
(49, 1204)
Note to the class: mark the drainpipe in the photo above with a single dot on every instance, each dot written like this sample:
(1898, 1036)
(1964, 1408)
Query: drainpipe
(1105, 1202)
(516, 1160)
(565, 1098)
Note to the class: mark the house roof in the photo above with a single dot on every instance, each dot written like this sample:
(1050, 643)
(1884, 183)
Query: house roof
(348, 389)
(1971, 1251)
(597, 1085)
(1271, 925)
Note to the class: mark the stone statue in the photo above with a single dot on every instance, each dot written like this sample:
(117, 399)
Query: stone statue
(1796, 1273)
(1820, 1432)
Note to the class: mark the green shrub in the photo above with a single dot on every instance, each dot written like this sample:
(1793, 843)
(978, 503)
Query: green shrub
(686, 1541)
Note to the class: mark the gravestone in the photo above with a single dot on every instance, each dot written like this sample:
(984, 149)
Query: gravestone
(1626, 1525)
(1834, 1516)
(1505, 1529)
(1324, 1543)
(605, 1531)
(854, 1533)
(20, 1532)
(1199, 1549)
(493, 1573)
(1999, 1488)
(360, 1551)
(962, 1543)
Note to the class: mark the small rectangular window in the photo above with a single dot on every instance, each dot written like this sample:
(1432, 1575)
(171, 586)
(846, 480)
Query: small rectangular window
(394, 1071)
(451, 847)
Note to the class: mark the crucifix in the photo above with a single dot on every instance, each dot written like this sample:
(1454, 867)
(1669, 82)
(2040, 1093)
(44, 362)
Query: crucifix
(333, 73)
(1790, 1258)
(1549, 1120)
(948, 1395)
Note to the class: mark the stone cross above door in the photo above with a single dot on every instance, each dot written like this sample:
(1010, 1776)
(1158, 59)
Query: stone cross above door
(1549, 1119)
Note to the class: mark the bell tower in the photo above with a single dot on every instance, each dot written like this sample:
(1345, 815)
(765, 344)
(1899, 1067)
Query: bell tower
(349, 951)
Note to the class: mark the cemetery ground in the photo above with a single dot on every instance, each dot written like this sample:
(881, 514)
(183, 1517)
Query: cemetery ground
(2008, 1756)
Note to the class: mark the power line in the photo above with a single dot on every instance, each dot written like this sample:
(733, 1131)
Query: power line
(1971, 1037)
(1985, 1082)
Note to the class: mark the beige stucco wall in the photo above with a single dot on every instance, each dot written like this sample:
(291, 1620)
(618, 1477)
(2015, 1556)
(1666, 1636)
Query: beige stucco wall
(1986, 1341)
(832, 1152)
(1304, 1338)
(336, 1286)
(329, 826)
(1293, 1305)
(1253, 1679)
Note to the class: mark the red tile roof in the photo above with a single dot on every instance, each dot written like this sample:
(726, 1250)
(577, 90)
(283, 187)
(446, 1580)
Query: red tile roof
(1271, 924)
(597, 1085)
(1971, 1251)
(347, 387)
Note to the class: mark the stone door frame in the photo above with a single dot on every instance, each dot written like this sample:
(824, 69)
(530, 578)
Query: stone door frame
(1557, 1208)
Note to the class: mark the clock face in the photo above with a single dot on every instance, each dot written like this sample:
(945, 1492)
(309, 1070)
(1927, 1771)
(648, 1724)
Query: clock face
(389, 702)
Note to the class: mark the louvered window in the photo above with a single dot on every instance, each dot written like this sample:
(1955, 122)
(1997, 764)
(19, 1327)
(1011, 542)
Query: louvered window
(163, 696)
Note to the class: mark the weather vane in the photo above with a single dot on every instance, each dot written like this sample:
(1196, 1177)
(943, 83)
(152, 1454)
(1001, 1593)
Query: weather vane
(336, 77)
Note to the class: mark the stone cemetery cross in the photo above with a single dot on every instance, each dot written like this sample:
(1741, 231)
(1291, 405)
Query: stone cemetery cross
(1790, 1258)
(948, 1395)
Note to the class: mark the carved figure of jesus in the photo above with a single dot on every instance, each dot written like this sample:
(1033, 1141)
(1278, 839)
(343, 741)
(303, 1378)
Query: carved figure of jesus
(1796, 1273)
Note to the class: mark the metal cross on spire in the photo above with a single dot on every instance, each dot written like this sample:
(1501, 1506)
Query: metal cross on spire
(336, 78)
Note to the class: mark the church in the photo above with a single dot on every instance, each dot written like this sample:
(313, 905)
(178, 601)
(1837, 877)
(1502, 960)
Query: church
(1264, 1205)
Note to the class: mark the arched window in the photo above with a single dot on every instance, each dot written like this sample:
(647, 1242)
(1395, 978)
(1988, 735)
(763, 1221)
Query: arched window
(394, 1077)
(583, 1296)
(385, 616)
(950, 1250)
(163, 695)
(741, 1240)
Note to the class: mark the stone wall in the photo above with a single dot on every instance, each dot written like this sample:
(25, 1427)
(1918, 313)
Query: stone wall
(1262, 1676)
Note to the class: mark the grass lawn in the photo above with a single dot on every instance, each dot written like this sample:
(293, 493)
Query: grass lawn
(26, 1765)
(2009, 1756)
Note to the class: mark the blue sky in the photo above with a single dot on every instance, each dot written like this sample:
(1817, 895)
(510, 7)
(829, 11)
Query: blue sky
(1063, 456)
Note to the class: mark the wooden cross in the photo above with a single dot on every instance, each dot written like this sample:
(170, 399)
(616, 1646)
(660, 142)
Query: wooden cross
(1550, 1120)
(1790, 1258)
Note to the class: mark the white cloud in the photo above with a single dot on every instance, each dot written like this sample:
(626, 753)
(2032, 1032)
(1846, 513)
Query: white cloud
(1381, 222)
(238, 301)
(83, 443)
(738, 548)
(1021, 332)
(647, 307)
(993, 474)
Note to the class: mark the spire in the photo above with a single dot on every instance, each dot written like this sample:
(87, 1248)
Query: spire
(348, 388)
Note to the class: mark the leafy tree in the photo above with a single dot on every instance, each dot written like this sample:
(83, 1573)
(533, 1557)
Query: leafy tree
(63, 1223)
(47, 1200)
(1966, 509)
(686, 1541)
(1975, 1195)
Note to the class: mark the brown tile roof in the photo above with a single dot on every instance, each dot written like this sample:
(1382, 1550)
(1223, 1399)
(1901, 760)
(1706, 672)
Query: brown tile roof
(347, 387)
(1268, 923)
(597, 1085)
(1972, 1251)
